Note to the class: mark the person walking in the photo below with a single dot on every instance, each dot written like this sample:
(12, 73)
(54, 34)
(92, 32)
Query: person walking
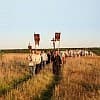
(44, 58)
(38, 62)
(32, 62)
(49, 58)
(56, 63)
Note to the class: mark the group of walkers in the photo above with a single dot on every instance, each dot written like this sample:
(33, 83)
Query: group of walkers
(78, 53)
(39, 59)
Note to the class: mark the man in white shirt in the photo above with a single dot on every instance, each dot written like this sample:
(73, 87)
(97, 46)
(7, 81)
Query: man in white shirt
(32, 62)
(38, 62)
(44, 58)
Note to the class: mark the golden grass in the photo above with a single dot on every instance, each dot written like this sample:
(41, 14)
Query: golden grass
(11, 68)
(80, 80)
(33, 88)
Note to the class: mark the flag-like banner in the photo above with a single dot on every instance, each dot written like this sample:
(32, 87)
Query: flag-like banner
(36, 39)
(57, 36)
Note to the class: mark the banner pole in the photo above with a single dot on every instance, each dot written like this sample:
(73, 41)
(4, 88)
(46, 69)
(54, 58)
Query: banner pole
(59, 46)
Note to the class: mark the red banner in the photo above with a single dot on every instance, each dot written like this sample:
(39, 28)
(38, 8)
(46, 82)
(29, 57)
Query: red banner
(57, 36)
(36, 39)
(36, 43)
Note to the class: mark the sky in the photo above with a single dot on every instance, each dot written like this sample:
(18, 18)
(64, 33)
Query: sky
(77, 20)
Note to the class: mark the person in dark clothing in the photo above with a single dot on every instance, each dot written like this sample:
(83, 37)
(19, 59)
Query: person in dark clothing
(49, 57)
(56, 60)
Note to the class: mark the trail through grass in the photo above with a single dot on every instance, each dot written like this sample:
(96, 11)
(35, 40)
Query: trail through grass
(80, 80)
(33, 88)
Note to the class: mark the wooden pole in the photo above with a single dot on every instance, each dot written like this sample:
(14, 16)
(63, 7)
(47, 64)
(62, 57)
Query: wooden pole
(30, 48)
(53, 40)
(59, 46)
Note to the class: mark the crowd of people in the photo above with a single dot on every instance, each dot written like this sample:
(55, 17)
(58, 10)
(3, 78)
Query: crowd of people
(78, 53)
(39, 59)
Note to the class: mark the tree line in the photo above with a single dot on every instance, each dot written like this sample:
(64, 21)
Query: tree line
(94, 50)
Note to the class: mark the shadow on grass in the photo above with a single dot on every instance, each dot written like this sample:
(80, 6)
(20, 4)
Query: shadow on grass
(48, 93)
(14, 84)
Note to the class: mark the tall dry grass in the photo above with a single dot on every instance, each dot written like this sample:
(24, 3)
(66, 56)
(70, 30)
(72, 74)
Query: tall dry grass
(15, 66)
(12, 67)
(80, 80)
(33, 88)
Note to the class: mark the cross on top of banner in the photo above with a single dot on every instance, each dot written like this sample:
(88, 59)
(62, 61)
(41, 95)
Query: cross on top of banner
(37, 39)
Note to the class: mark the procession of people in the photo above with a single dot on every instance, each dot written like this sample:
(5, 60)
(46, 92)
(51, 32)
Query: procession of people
(39, 59)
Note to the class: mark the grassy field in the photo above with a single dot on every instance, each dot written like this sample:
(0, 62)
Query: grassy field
(93, 49)
(79, 79)
(14, 84)
(12, 70)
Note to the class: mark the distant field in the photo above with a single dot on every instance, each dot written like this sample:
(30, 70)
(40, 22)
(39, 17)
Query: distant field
(79, 80)
(94, 50)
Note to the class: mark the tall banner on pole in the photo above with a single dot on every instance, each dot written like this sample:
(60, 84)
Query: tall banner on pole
(57, 36)
(36, 39)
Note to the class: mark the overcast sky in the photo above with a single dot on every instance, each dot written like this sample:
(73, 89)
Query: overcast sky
(77, 20)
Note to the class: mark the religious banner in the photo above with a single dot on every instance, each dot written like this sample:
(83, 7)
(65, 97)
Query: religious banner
(36, 43)
(57, 36)
(37, 39)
